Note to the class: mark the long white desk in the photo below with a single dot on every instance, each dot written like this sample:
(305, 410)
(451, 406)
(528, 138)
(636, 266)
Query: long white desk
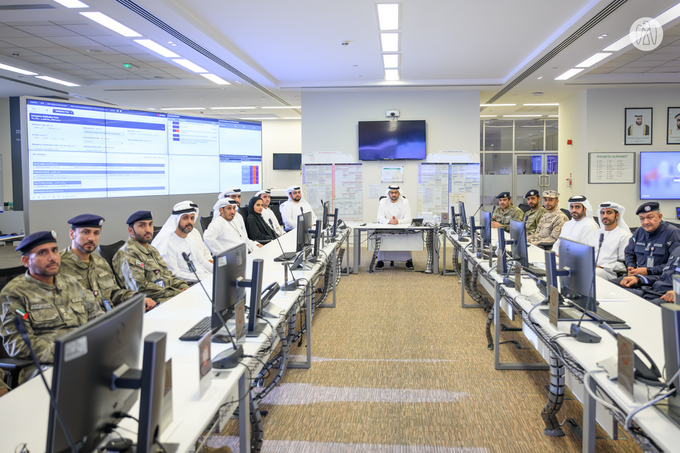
(24, 411)
(644, 319)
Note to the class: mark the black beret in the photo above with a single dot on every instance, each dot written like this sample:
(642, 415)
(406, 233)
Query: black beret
(35, 239)
(532, 193)
(503, 195)
(139, 215)
(86, 220)
(647, 207)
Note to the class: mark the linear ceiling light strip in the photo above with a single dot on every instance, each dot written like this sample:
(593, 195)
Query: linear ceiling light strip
(585, 28)
(132, 6)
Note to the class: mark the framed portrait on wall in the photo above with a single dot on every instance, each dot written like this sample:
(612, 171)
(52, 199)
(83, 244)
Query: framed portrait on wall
(638, 129)
(673, 126)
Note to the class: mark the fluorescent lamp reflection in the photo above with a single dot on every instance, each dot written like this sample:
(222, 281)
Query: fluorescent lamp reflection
(569, 74)
(522, 116)
(389, 42)
(388, 16)
(184, 108)
(497, 105)
(283, 107)
(593, 60)
(59, 81)
(7, 67)
(537, 105)
(391, 74)
(216, 79)
(390, 60)
(106, 21)
(72, 3)
(488, 116)
(250, 107)
(154, 46)
(189, 65)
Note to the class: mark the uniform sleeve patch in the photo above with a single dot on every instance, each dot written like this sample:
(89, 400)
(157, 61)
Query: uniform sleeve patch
(139, 263)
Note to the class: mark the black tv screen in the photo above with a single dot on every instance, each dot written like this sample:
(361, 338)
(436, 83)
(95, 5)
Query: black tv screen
(287, 161)
(392, 140)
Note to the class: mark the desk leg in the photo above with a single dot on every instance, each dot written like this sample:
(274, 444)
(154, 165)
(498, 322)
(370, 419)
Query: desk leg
(555, 399)
(244, 414)
(589, 423)
(463, 270)
(444, 270)
(435, 252)
(334, 259)
(308, 364)
(356, 247)
(346, 242)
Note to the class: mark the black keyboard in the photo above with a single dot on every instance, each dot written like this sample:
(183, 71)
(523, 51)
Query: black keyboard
(287, 256)
(197, 331)
(602, 315)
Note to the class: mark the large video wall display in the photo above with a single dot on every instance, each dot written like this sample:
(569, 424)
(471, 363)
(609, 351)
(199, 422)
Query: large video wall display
(87, 151)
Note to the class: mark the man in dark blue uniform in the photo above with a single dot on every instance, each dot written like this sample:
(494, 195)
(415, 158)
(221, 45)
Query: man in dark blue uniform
(651, 245)
(657, 289)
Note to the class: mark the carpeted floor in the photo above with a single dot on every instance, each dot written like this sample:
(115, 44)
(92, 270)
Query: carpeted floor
(400, 367)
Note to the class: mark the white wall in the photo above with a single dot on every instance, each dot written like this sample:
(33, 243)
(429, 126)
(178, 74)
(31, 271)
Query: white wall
(280, 136)
(330, 123)
(5, 150)
(594, 119)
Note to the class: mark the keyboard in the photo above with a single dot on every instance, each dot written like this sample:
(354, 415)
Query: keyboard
(574, 312)
(198, 330)
(287, 256)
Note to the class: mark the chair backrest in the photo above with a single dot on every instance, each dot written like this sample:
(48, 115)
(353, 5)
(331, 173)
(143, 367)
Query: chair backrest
(597, 220)
(524, 207)
(205, 222)
(381, 197)
(566, 212)
(156, 229)
(108, 251)
(244, 212)
(276, 209)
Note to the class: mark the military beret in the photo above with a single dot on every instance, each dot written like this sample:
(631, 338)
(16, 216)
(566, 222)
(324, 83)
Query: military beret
(86, 220)
(35, 239)
(503, 195)
(551, 194)
(139, 215)
(532, 193)
(577, 199)
(647, 207)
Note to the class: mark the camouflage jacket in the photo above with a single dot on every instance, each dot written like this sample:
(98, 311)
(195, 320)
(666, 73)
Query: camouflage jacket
(3, 385)
(142, 269)
(503, 216)
(49, 311)
(95, 276)
(549, 228)
(533, 217)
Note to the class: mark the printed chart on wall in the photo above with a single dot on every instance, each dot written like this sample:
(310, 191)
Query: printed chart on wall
(464, 183)
(611, 168)
(348, 193)
(318, 182)
(433, 188)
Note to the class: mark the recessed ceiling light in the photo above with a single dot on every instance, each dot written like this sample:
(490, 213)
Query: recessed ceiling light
(72, 3)
(250, 107)
(216, 79)
(539, 77)
(497, 105)
(593, 60)
(488, 116)
(190, 65)
(106, 21)
(155, 47)
(536, 105)
(94, 51)
(7, 67)
(388, 16)
(389, 42)
(282, 107)
(390, 60)
(60, 82)
(184, 108)
(522, 116)
(391, 74)
(569, 74)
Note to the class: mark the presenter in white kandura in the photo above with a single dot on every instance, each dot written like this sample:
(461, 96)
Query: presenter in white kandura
(394, 210)
(295, 206)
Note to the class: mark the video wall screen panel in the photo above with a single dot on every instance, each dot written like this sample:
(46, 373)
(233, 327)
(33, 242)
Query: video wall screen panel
(86, 151)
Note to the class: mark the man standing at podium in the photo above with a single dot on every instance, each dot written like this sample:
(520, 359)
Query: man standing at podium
(394, 210)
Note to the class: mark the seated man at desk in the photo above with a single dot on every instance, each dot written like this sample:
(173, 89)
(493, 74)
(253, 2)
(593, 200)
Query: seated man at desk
(508, 211)
(550, 225)
(651, 245)
(615, 233)
(657, 289)
(295, 206)
(90, 269)
(50, 304)
(267, 213)
(533, 216)
(224, 232)
(139, 266)
(394, 210)
(581, 224)
(173, 243)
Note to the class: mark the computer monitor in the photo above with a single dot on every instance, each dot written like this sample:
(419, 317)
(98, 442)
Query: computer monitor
(579, 285)
(301, 234)
(308, 226)
(518, 235)
(502, 257)
(454, 218)
(486, 224)
(463, 217)
(85, 360)
(317, 239)
(226, 294)
(326, 211)
(255, 306)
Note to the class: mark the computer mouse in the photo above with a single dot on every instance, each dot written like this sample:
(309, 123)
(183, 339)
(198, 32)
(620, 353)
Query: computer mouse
(221, 338)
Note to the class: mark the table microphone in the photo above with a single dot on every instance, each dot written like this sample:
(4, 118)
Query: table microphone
(581, 334)
(286, 265)
(480, 207)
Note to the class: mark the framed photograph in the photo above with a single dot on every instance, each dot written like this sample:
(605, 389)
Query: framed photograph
(638, 129)
(673, 126)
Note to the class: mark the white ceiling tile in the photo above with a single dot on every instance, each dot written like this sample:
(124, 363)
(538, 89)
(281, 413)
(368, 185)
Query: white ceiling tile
(630, 70)
(93, 51)
(77, 59)
(115, 72)
(111, 40)
(22, 52)
(128, 50)
(641, 64)
(29, 42)
(73, 41)
(6, 44)
(47, 31)
(70, 22)
(58, 66)
(87, 30)
(97, 65)
(115, 58)
(11, 32)
(40, 59)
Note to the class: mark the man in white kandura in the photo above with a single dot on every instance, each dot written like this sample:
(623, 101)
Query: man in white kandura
(581, 224)
(234, 194)
(173, 241)
(296, 205)
(267, 213)
(616, 237)
(224, 232)
(394, 210)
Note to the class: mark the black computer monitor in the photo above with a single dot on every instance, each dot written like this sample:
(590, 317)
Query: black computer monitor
(86, 363)
(336, 219)
(226, 293)
(326, 212)
(308, 226)
(486, 230)
(518, 234)
(502, 257)
(301, 234)
(317, 239)
(454, 218)
(463, 217)
(579, 285)
(255, 305)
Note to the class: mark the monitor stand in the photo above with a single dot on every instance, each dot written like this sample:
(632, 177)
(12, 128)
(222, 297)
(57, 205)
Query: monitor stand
(260, 325)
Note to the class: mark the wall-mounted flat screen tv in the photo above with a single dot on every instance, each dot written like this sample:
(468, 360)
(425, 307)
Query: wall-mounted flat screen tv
(288, 161)
(392, 140)
(659, 175)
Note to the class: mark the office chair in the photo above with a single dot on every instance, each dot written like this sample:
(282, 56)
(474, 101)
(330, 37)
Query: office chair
(13, 367)
(244, 212)
(597, 220)
(205, 222)
(10, 273)
(524, 207)
(276, 209)
(566, 212)
(156, 229)
(108, 251)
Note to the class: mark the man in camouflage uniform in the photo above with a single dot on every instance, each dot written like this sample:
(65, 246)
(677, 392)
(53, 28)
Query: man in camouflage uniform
(533, 216)
(550, 225)
(4, 388)
(508, 211)
(50, 304)
(90, 269)
(140, 267)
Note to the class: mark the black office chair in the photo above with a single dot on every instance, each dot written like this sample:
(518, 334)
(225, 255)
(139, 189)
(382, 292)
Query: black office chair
(244, 212)
(205, 222)
(632, 229)
(276, 209)
(597, 220)
(156, 229)
(108, 251)
(9, 273)
(13, 367)
(566, 212)
(524, 207)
